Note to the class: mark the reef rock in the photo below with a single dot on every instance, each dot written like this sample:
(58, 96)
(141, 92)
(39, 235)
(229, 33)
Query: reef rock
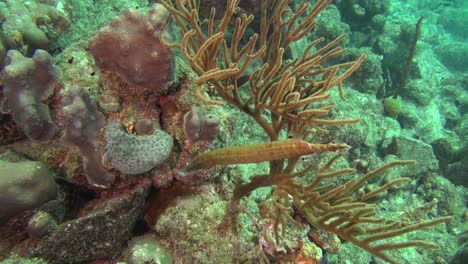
(23, 186)
(97, 234)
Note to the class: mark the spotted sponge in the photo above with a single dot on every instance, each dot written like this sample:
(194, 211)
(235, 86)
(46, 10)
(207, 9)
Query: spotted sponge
(132, 154)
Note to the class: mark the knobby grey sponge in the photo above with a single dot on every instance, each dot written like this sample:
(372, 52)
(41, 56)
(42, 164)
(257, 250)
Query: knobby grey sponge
(132, 154)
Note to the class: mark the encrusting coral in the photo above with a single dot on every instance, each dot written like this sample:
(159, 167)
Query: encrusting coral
(30, 25)
(286, 97)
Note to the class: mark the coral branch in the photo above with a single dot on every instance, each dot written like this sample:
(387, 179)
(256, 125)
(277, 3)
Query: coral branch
(286, 96)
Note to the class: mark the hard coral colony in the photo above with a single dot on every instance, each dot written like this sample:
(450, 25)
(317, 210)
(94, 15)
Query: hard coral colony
(206, 131)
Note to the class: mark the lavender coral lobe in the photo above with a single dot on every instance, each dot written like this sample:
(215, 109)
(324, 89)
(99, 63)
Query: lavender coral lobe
(200, 127)
(27, 83)
(82, 122)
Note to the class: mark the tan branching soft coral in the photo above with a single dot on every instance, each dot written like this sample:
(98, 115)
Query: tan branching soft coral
(286, 96)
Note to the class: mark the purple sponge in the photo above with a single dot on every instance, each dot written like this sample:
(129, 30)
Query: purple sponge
(130, 47)
(82, 122)
(27, 83)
